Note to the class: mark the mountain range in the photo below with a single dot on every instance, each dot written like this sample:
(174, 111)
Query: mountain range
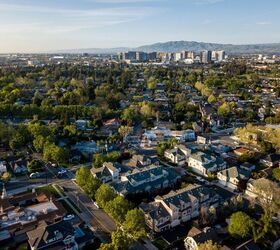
(176, 46)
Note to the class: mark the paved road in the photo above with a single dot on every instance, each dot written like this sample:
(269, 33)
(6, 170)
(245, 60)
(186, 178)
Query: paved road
(97, 218)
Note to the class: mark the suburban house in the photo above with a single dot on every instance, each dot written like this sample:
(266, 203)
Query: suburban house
(176, 156)
(184, 135)
(179, 154)
(204, 163)
(19, 166)
(197, 236)
(86, 148)
(62, 235)
(3, 167)
(147, 179)
(108, 172)
(22, 213)
(252, 189)
(81, 124)
(138, 161)
(271, 160)
(248, 166)
(178, 206)
(231, 177)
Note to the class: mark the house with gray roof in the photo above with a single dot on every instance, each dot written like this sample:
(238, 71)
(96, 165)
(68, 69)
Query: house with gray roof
(231, 177)
(178, 206)
(153, 177)
(108, 172)
(204, 163)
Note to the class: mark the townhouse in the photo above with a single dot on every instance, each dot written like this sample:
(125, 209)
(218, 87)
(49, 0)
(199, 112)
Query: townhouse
(170, 210)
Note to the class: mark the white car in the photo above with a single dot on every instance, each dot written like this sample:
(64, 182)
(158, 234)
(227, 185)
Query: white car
(34, 175)
(62, 171)
(95, 204)
(69, 217)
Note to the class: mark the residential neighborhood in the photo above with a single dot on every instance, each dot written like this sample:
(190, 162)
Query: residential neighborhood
(140, 150)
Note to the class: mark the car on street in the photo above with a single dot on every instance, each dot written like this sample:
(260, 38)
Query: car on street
(34, 175)
(69, 217)
(95, 204)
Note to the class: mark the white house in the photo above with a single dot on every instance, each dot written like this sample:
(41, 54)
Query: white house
(231, 177)
(3, 167)
(204, 163)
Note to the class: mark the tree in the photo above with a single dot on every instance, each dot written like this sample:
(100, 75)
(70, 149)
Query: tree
(134, 225)
(104, 194)
(209, 245)
(6, 177)
(276, 174)
(211, 99)
(87, 182)
(35, 166)
(124, 131)
(264, 226)
(268, 195)
(55, 153)
(120, 241)
(240, 225)
(224, 110)
(151, 83)
(98, 160)
(118, 208)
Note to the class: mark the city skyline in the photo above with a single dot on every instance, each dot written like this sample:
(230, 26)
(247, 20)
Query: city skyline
(29, 26)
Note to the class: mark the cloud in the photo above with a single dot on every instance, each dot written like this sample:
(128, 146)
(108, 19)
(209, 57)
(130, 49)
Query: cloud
(68, 20)
(263, 23)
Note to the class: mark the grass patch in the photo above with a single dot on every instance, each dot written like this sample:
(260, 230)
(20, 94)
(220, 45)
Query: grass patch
(23, 246)
(160, 243)
(68, 207)
(50, 189)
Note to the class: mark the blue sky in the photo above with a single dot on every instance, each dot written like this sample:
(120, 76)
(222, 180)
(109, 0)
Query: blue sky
(44, 25)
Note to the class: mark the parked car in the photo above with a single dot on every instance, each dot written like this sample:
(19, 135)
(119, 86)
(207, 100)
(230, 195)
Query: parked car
(95, 204)
(34, 175)
(69, 217)
(62, 171)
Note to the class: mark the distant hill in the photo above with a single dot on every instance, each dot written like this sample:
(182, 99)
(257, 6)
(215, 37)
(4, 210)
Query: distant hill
(174, 46)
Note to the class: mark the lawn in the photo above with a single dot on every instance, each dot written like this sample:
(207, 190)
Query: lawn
(160, 243)
(68, 208)
(50, 189)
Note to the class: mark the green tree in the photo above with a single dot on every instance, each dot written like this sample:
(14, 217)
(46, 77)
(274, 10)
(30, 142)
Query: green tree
(98, 160)
(209, 245)
(35, 166)
(120, 241)
(118, 208)
(124, 131)
(276, 174)
(151, 83)
(134, 225)
(87, 181)
(224, 110)
(55, 153)
(241, 225)
(211, 99)
(6, 177)
(104, 194)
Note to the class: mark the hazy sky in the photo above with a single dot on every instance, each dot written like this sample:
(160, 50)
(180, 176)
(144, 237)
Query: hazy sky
(44, 25)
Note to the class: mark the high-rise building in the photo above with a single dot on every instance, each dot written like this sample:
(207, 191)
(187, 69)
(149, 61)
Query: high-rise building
(177, 56)
(205, 56)
(218, 56)
(152, 56)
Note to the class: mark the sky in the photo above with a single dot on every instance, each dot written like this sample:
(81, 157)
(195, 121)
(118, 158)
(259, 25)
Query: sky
(49, 25)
